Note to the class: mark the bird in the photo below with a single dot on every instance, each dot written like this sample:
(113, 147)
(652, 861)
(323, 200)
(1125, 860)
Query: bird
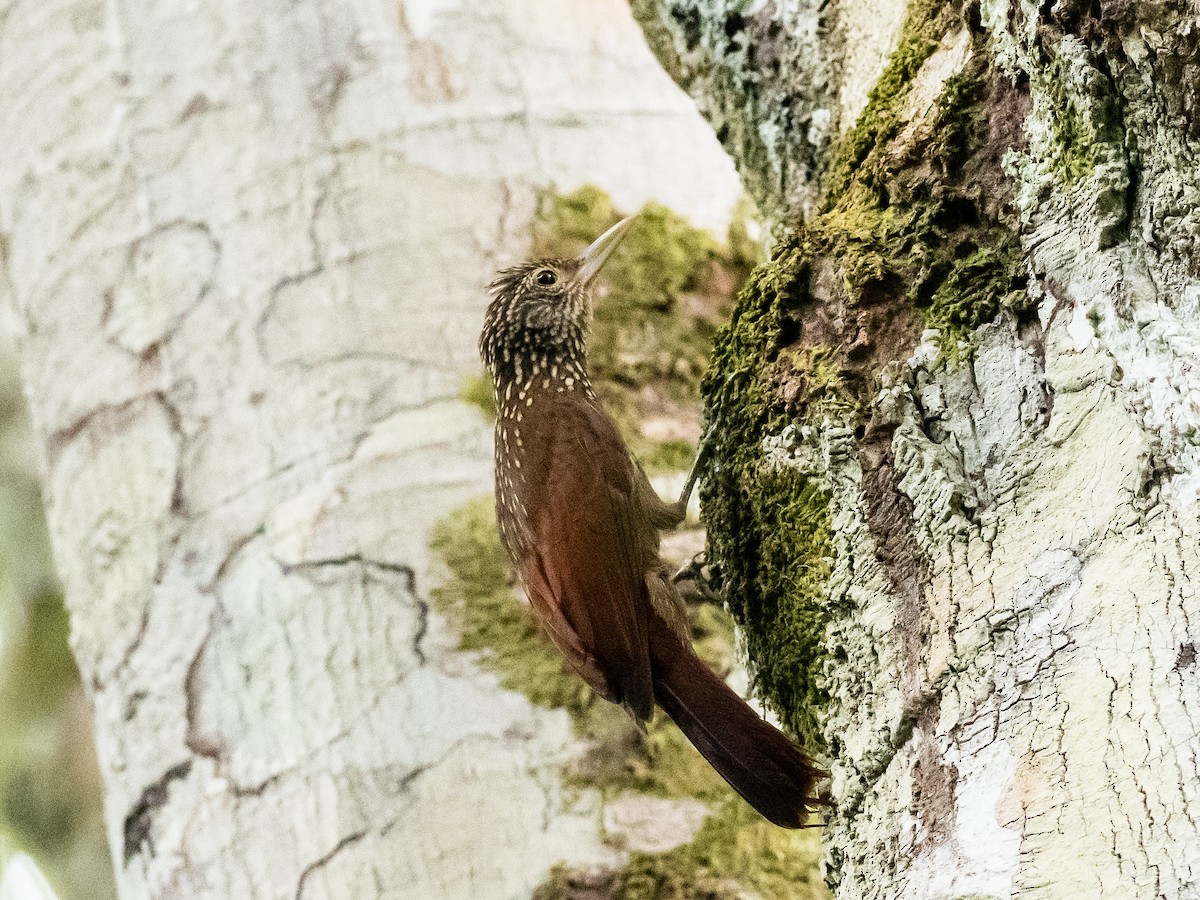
(581, 523)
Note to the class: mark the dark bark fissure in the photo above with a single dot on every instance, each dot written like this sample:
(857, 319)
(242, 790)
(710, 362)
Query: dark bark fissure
(889, 519)
(140, 820)
(319, 864)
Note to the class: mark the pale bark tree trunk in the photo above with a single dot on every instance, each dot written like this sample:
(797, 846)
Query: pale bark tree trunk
(997, 521)
(245, 247)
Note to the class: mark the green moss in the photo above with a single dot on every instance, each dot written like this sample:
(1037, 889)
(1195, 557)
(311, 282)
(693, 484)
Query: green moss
(735, 850)
(1085, 120)
(566, 223)
(814, 378)
(477, 390)
(768, 528)
(669, 456)
(976, 288)
(915, 222)
(1073, 145)
(648, 14)
(925, 25)
(38, 790)
(38, 670)
(913, 215)
(557, 885)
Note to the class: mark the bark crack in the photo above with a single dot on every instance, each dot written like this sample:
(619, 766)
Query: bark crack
(198, 744)
(406, 572)
(140, 820)
(327, 858)
(226, 563)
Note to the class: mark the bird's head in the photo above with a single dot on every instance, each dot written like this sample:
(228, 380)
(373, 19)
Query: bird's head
(540, 310)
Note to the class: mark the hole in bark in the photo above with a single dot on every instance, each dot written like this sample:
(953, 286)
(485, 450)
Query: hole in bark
(958, 212)
(789, 331)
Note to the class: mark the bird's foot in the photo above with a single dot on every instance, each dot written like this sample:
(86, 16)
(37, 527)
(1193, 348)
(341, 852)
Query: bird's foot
(694, 581)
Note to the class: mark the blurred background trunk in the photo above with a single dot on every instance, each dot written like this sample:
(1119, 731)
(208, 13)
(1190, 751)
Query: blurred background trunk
(245, 250)
(953, 495)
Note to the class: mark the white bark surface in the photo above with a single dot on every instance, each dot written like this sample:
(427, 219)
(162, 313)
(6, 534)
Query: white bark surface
(245, 250)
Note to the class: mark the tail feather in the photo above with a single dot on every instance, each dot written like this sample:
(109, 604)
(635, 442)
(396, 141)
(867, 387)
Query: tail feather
(757, 759)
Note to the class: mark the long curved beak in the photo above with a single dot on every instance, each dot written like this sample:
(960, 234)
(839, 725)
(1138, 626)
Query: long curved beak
(595, 256)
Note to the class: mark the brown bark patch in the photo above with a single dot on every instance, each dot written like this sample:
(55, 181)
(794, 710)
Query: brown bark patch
(935, 786)
(890, 521)
(1187, 656)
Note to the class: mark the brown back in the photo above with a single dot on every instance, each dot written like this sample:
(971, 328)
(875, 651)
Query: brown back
(583, 567)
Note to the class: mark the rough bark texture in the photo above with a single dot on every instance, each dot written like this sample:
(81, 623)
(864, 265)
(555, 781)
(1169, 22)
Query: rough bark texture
(954, 492)
(777, 81)
(245, 249)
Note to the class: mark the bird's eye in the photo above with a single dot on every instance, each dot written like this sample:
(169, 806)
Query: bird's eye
(546, 277)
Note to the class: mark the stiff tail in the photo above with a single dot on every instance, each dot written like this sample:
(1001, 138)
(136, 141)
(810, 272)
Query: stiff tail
(757, 759)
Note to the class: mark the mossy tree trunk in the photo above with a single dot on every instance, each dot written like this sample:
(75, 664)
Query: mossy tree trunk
(245, 248)
(953, 494)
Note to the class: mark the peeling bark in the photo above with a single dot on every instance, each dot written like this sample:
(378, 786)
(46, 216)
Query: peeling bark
(245, 250)
(1006, 493)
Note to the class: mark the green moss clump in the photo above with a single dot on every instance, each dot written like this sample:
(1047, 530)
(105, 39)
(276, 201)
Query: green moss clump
(39, 670)
(976, 288)
(669, 456)
(768, 528)
(735, 850)
(1073, 145)
(648, 15)
(37, 783)
(661, 258)
(477, 390)
(1086, 125)
(814, 377)
(917, 222)
(557, 885)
